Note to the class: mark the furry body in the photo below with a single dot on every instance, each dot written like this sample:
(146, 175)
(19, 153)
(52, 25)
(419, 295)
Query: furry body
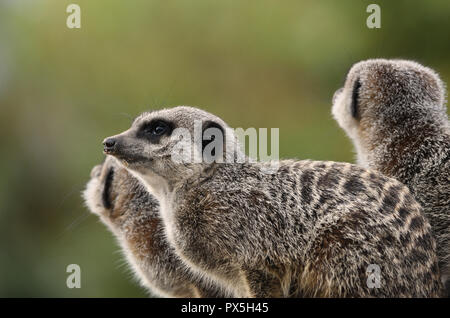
(400, 127)
(310, 229)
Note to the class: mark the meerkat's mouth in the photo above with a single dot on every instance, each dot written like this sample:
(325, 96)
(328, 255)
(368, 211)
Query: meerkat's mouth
(128, 160)
(108, 151)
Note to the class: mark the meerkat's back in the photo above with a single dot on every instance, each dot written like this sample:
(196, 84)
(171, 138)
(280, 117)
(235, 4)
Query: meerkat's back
(325, 229)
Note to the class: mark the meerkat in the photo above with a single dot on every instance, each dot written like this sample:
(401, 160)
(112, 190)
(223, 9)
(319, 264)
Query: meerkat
(394, 112)
(321, 229)
(132, 215)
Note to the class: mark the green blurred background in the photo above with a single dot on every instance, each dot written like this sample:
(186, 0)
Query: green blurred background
(254, 63)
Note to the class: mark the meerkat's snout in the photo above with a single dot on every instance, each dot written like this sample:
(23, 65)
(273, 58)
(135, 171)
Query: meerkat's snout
(128, 148)
(117, 147)
(121, 146)
(109, 145)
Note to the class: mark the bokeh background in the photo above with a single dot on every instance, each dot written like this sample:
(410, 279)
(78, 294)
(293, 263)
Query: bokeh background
(254, 63)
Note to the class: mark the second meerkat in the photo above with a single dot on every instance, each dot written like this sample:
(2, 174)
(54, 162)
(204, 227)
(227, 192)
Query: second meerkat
(323, 229)
(132, 214)
(394, 112)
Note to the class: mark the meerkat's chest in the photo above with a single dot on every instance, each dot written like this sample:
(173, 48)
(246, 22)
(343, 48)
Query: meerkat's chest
(167, 214)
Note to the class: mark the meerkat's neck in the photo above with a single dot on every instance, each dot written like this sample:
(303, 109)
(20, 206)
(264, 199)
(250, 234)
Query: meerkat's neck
(156, 185)
(392, 150)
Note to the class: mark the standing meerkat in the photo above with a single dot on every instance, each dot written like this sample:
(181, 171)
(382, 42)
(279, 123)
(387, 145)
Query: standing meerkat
(322, 229)
(394, 112)
(132, 214)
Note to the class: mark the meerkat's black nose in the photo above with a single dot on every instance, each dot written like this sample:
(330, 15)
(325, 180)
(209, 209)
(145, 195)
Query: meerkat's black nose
(109, 144)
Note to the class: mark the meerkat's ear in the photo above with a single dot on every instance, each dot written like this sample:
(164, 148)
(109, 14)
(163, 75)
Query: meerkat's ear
(106, 194)
(213, 142)
(354, 105)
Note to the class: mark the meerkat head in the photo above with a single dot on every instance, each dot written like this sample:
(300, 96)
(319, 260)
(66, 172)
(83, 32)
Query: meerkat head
(110, 193)
(165, 146)
(97, 194)
(381, 97)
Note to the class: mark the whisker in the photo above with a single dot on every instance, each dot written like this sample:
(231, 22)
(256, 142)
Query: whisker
(69, 194)
(126, 115)
(78, 220)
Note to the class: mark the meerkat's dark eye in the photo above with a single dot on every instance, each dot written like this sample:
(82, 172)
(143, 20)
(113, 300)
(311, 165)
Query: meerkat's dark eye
(158, 128)
(155, 129)
(355, 99)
